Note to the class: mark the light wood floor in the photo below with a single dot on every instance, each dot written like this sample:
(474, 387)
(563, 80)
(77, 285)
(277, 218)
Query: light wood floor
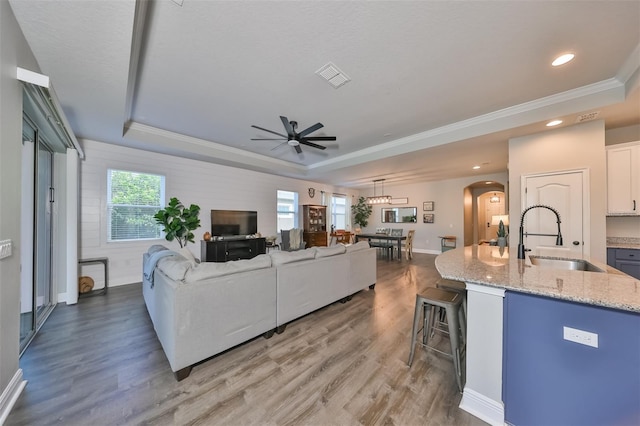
(99, 363)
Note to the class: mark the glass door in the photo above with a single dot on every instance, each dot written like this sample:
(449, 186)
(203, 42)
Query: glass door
(37, 211)
(43, 230)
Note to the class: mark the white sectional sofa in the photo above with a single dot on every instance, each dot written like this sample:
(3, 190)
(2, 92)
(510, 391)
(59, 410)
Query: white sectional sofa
(201, 309)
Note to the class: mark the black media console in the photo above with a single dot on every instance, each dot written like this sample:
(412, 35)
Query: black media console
(232, 248)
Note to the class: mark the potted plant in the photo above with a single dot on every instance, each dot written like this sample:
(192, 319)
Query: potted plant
(502, 234)
(361, 212)
(179, 221)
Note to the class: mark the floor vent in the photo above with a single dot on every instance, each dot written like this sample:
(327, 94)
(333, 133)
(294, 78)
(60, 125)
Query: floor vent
(333, 75)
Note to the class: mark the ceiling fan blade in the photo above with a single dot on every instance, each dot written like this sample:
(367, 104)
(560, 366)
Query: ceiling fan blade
(270, 131)
(278, 146)
(311, 144)
(310, 129)
(320, 138)
(279, 139)
(298, 149)
(287, 126)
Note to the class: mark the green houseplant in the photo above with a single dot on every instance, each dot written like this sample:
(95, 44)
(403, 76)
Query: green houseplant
(361, 212)
(502, 234)
(179, 221)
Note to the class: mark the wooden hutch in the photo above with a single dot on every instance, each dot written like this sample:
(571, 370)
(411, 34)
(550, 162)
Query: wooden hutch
(314, 219)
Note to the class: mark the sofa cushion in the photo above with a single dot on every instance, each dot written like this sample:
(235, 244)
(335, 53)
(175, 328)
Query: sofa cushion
(361, 245)
(186, 253)
(156, 248)
(282, 257)
(206, 270)
(175, 267)
(330, 251)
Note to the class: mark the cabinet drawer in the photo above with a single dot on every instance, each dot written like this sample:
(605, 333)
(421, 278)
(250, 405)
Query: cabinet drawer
(628, 254)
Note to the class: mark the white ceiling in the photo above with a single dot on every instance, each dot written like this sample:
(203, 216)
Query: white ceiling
(436, 88)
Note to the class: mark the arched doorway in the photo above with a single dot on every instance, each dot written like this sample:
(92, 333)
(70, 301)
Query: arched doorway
(482, 201)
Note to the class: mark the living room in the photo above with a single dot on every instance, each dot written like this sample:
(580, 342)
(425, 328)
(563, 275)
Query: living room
(194, 176)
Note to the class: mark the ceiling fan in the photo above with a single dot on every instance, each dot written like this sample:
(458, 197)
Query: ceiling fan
(294, 138)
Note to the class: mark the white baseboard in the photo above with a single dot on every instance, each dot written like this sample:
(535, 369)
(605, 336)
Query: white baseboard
(482, 407)
(426, 251)
(10, 395)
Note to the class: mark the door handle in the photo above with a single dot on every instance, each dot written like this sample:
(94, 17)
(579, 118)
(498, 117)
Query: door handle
(576, 243)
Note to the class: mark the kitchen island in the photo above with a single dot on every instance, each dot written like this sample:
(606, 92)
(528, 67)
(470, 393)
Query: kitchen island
(520, 366)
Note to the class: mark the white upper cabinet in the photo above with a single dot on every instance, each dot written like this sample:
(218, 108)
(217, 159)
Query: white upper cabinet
(623, 179)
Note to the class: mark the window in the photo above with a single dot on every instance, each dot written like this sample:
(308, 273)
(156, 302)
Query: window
(339, 211)
(287, 210)
(132, 201)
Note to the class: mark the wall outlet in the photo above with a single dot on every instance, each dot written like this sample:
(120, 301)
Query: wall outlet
(5, 248)
(580, 336)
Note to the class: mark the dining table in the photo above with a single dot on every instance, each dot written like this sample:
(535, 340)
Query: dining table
(398, 238)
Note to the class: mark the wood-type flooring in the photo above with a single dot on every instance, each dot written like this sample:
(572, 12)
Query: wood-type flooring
(100, 363)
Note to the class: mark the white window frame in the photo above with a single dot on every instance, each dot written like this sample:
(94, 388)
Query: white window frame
(280, 210)
(335, 214)
(155, 208)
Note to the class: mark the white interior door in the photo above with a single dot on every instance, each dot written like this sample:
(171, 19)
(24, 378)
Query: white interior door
(492, 209)
(564, 191)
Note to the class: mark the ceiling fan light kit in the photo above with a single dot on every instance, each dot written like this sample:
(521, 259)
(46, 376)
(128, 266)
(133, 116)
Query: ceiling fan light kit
(293, 138)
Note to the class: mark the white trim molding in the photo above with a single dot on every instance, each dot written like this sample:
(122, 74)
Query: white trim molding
(482, 407)
(10, 395)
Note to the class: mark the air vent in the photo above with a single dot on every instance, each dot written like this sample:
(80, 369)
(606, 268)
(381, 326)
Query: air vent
(333, 75)
(587, 117)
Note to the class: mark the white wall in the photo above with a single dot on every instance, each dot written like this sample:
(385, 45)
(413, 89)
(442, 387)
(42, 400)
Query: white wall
(567, 148)
(449, 201)
(193, 182)
(14, 52)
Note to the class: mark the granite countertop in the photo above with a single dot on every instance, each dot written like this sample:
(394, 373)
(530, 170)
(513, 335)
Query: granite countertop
(623, 243)
(495, 267)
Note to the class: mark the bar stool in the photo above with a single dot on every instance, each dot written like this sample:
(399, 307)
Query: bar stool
(455, 326)
(458, 287)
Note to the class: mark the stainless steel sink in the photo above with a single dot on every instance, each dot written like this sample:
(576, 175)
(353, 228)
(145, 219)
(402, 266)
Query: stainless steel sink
(563, 263)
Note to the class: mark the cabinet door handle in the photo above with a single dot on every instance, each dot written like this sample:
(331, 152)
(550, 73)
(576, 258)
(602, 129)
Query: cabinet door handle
(576, 243)
(634, 205)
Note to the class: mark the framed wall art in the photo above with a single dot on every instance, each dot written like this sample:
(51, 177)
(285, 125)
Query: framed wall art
(427, 206)
(428, 218)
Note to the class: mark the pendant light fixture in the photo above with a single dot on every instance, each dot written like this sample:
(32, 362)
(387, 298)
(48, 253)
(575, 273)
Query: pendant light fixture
(379, 199)
(494, 198)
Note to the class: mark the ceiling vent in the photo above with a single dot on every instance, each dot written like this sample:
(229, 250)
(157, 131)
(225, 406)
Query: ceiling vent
(333, 75)
(587, 117)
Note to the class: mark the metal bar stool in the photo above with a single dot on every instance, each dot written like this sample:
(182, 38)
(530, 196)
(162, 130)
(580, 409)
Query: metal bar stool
(455, 325)
(458, 287)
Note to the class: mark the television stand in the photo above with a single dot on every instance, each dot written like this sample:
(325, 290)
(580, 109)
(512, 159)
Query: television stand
(232, 248)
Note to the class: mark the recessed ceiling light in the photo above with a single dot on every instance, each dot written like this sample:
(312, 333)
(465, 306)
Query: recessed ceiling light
(489, 183)
(476, 167)
(562, 59)
(554, 123)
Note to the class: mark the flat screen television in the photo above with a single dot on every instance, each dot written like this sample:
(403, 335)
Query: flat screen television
(233, 222)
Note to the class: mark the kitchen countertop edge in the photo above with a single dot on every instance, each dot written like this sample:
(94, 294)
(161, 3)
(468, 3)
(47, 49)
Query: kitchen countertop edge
(490, 266)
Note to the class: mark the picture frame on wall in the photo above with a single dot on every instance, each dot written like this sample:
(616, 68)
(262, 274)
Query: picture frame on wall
(428, 218)
(427, 206)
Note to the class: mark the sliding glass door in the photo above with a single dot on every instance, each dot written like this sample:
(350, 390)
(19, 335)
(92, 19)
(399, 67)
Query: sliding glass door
(37, 213)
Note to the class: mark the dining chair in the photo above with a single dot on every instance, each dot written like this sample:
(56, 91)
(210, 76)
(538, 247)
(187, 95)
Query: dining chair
(408, 246)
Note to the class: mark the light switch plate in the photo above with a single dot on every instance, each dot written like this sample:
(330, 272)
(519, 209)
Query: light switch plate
(580, 336)
(5, 248)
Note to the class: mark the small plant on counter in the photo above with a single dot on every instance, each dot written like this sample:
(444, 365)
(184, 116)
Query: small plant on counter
(502, 231)
(179, 221)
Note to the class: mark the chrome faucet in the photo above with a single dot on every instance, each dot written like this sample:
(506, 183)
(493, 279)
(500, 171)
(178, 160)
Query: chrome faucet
(521, 248)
